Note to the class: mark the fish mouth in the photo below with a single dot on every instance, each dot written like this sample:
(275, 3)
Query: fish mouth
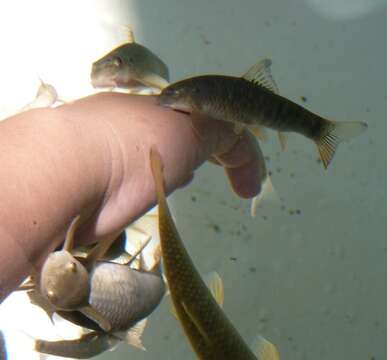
(168, 102)
(102, 82)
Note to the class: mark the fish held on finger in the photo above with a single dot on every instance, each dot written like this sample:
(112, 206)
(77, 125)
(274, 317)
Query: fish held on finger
(130, 66)
(253, 100)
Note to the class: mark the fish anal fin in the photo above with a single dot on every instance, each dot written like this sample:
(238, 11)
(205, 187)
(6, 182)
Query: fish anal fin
(283, 140)
(215, 285)
(334, 133)
(134, 334)
(264, 349)
(260, 73)
(259, 132)
(94, 315)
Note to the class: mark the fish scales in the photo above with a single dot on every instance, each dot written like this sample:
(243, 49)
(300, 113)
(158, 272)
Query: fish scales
(253, 101)
(115, 291)
(210, 332)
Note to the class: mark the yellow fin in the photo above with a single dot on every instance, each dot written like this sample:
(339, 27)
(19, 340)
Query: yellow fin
(260, 73)
(215, 285)
(267, 192)
(335, 133)
(283, 140)
(259, 132)
(154, 81)
(264, 349)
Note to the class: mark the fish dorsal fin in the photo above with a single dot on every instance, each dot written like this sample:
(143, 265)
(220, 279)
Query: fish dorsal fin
(264, 349)
(127, 29)
(260, 74)
(215, 285)
(69, 242)
(134, 334)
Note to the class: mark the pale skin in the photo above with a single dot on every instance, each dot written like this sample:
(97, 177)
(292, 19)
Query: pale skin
(91, 157)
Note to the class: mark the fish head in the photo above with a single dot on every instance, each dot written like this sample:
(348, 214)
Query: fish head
(64, 281)
(105, 71)
(185, 96)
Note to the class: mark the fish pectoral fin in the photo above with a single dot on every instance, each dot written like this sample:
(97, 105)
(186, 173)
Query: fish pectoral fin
(134, 334)
(334, 133)
(94, 315)
(267, 192)
(215, 285)
(259, 132)
(283, 140)
(154, 81)
(38, 300)
(260, 73)
(264, 349)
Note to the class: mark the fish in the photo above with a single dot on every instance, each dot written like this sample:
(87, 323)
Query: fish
(253, 100)
(46, 96)
(87, 346)
(112, 299)
(130, 66)
(209, 331)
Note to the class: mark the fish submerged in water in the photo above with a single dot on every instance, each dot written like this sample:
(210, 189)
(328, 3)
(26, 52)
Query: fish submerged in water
(130, 66)
(209, 331)
(253, 100)
(111, 299)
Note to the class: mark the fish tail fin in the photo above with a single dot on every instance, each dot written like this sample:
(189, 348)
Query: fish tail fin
(264, 349)
(267, 192)
(335, 133)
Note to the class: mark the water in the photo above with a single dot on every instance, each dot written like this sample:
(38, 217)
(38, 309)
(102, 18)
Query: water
(318, 287)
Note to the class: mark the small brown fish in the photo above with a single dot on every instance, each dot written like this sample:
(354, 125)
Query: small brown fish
(112, 299)
(253, 100)
(130, 66)
(208, 329)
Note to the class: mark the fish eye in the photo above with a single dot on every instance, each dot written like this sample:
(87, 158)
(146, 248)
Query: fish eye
(117, 61)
